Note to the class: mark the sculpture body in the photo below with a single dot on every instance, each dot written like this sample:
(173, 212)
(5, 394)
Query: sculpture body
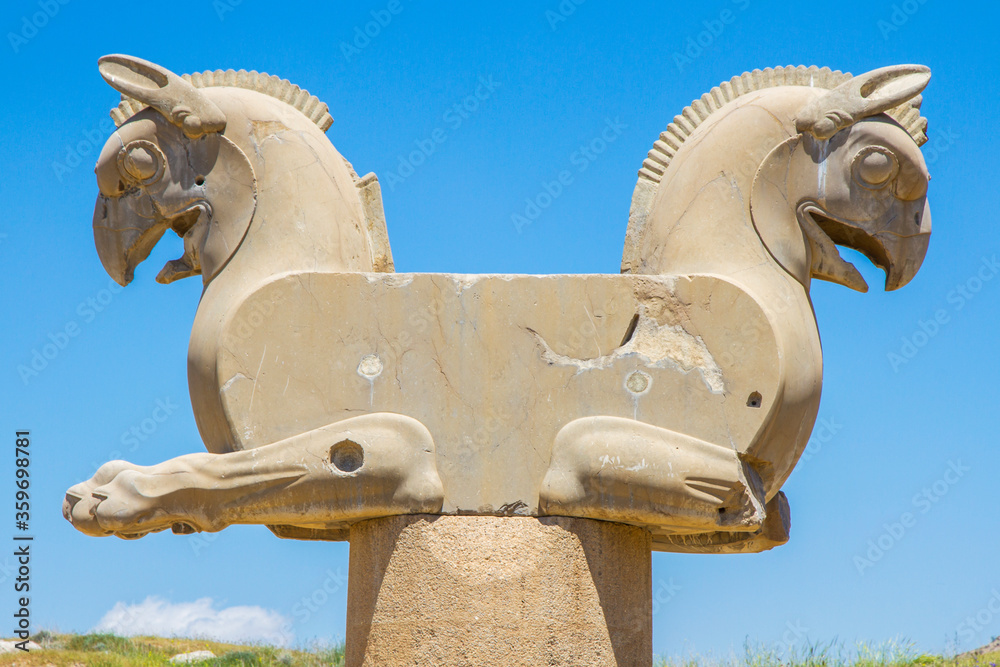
(675, 397)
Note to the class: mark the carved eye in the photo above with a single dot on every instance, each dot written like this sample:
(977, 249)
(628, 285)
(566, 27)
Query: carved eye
(875, 166)
(141, 162)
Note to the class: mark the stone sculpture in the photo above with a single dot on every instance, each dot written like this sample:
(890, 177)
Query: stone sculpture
(329, 390)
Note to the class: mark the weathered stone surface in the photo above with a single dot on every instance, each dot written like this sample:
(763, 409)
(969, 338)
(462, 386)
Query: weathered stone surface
(585, 419)
(473, 590)
(497, 366)
(676, 397)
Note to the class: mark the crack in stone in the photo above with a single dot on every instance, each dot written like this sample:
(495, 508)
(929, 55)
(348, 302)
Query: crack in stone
(657, 345)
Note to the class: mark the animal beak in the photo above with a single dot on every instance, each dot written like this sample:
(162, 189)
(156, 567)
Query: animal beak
(905, 253)
(124, 237)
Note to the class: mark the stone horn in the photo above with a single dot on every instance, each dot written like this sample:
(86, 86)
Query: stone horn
(863, 96)
(181, 103)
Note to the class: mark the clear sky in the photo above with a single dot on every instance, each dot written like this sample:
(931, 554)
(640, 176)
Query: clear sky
(917, 436)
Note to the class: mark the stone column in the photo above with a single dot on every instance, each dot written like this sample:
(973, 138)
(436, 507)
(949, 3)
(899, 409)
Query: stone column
(506, 591)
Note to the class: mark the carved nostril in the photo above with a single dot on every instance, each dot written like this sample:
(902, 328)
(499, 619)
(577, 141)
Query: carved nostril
(200, 180)
(347, 456)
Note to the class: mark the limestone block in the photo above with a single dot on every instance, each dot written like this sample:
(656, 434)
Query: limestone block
(676, 397)
(497, 366)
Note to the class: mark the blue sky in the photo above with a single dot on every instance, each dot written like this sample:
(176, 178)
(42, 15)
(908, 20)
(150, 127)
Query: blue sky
(916, 438)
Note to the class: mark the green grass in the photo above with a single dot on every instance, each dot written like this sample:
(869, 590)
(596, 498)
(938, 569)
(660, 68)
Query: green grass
(105, 650)
(834, 654)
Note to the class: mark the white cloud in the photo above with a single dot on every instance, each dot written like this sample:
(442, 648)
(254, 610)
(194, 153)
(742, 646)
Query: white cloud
(200, 619)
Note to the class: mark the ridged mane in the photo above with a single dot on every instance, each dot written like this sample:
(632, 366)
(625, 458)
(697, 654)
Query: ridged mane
(272, 86)
(670, 141)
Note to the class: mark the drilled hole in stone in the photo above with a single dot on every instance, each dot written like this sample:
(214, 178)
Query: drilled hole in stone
(200, 180)
(347, 456)
(755, 400)
(637, 382)
(370, 366)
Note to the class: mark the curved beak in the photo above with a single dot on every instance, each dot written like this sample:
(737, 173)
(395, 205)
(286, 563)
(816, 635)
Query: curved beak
(123, 236)
(896, 243)
(905, 253)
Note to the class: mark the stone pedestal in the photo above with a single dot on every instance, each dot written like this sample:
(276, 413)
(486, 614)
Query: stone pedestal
(511, 591)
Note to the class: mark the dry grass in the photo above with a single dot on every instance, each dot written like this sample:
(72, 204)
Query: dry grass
(102, 650)
(834, 654)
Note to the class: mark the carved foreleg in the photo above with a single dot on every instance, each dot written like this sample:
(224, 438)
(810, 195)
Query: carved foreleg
(369, 466)
(623, 470)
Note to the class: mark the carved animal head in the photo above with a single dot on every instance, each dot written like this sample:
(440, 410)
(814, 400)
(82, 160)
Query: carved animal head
(169, 167)
(784, 164)
(855, 178)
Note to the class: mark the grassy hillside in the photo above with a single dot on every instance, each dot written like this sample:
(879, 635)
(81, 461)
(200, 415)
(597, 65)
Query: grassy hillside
(110, 651)
(834, 654)
(101, 650)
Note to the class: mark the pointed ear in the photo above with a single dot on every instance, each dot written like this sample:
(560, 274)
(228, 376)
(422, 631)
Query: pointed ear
(181, 103)
(863, 96)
